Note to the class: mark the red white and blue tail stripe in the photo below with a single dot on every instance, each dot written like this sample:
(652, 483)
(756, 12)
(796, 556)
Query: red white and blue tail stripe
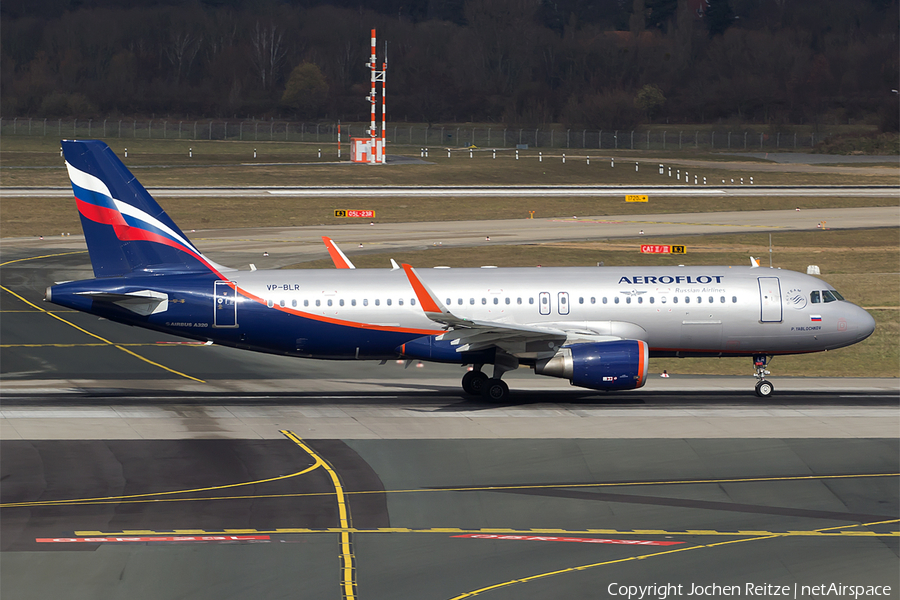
(125, 229)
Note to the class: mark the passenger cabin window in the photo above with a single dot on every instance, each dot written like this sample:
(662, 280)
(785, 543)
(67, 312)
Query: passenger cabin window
(306, 303)
(640, 299)
(388, 301)
(365, 301)
(604, 299)
(734, 299)
(318, 303)
(400, 301)
(341, 301)
(281, 303)
(484, 300)
(675, 299)
(628, 300)
(531, 301)
(496, 300)
(580, 300)
(616, 300)
(448, 302)
(507, 300)
(652, 299)
(460, 301)
(412, 301)
(330, 302)
(472, 301)
(722, 299)
(593, 300)
(377, 302)
(353, 302)
(518, 301)
(293, 303)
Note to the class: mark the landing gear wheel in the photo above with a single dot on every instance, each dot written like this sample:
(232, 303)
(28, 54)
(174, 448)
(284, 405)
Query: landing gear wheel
(764, 389)
(496, 390)
(473, 382)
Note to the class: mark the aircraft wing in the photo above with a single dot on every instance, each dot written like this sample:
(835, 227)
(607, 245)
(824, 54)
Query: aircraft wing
(469, 336)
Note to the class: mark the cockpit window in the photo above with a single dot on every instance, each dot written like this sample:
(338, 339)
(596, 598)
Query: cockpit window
(837, 294)
(814, 297)
(829, 296)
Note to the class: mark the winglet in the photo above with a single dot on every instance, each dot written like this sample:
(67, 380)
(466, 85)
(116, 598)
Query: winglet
(430, 303)
(340, 259)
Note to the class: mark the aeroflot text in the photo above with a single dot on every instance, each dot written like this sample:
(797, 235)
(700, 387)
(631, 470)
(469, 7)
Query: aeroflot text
(666, 279)
(665, 590)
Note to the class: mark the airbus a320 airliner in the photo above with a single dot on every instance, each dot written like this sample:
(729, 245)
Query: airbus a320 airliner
(596, 327)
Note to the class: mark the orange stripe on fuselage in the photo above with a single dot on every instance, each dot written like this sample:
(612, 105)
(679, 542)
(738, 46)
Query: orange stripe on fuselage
(332, 320)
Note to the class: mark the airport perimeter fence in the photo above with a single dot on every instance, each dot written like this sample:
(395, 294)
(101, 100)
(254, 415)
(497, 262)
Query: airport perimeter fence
(414, 136)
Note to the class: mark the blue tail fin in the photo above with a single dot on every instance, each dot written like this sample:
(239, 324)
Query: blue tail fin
(125, 229)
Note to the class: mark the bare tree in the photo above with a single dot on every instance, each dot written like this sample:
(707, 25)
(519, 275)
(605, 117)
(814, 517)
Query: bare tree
(268, 53)
(181, 51)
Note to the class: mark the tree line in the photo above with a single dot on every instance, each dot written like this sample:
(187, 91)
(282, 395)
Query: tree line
(585, 63)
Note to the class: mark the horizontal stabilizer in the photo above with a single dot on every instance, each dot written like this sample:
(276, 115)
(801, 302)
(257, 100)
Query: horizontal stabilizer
(144, 302)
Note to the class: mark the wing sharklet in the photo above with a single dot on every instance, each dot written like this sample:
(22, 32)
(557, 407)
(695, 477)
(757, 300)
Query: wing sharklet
(340, 259)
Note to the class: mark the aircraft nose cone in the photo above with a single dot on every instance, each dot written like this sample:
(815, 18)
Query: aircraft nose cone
(866, 324)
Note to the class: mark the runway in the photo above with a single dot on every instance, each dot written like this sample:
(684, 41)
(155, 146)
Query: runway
(523, 191)
(137, 466)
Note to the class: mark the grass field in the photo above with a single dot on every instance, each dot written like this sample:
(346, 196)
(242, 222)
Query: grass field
(35, 161)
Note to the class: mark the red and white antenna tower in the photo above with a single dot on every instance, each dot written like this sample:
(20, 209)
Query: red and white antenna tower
(373, 100)
(372, 148)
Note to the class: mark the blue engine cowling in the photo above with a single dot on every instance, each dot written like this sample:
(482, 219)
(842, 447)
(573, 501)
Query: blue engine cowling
(616, 365)
(428, 348)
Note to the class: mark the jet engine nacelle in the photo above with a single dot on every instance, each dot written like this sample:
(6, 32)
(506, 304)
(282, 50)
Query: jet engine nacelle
(617, 365)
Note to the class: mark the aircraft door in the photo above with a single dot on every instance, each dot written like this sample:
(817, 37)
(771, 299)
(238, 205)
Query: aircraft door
(770, 300)
(225, 307)
(563, 300)
(544, 303)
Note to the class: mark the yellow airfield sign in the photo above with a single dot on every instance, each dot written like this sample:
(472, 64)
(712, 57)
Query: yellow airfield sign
(636, 198)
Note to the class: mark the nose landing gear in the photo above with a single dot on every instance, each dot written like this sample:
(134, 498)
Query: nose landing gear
(764, 388)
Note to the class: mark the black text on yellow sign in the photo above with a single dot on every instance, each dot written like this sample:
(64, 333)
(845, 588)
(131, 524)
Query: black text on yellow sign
(662, 249)
(362, 214)
(636, 198)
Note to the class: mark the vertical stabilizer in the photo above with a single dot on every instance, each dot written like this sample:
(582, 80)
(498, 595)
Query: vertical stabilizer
(125, 229)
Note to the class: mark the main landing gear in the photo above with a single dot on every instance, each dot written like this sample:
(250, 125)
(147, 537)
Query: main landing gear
(764, 388)
(492, 389)
(474, 381)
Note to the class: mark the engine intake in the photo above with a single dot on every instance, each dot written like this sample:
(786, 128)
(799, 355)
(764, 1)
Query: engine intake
(618, 365)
